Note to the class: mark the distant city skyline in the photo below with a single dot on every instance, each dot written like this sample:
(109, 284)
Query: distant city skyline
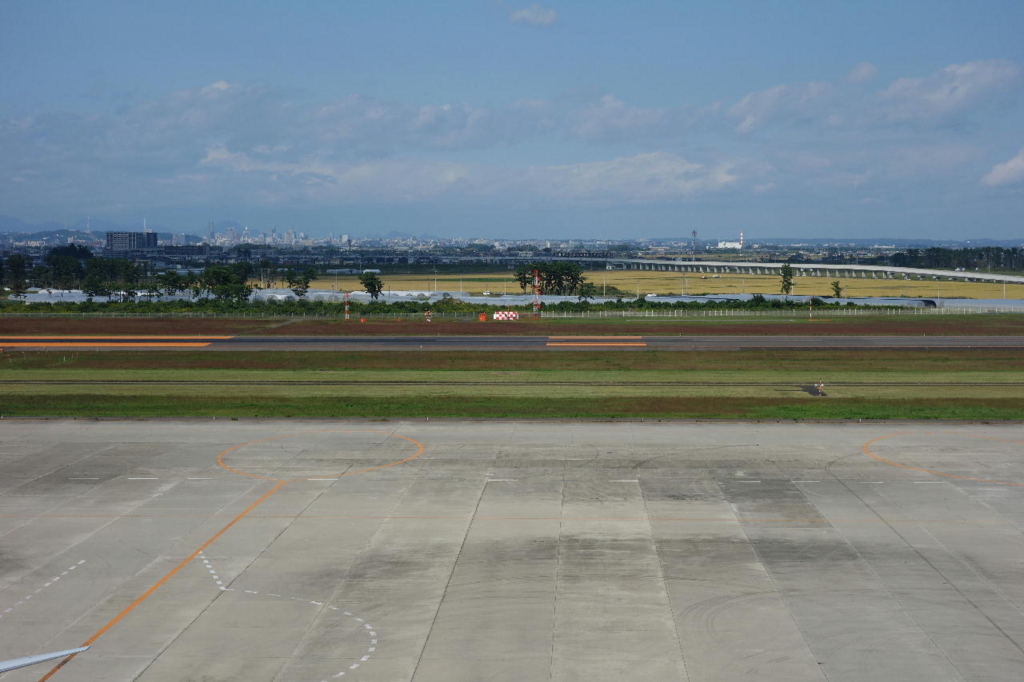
(574, 120)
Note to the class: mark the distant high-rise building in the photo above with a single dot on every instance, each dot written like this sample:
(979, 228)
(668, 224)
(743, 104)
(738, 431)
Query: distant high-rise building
(126, 242)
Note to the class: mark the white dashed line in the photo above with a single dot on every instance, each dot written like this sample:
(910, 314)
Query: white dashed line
(143, 478)
(84, 478)
(373, 633)
(625, 480)
(746, 481)
(805, 481)
(28, 597)
(501, 480)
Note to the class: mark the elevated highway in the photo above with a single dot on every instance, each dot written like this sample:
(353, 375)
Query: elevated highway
(810, 270)
(758, 268)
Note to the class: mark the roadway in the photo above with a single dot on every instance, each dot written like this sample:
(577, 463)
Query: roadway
(513, 343)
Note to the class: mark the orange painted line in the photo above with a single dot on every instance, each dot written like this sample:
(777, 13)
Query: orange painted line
(170, 574)
(145, 595)
(614, 345)
(867, 451)
(569, 338)
(103, 344)
(120, 336)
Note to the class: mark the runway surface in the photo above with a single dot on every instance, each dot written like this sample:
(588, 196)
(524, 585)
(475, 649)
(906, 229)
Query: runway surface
(512, 343)
(293, 551)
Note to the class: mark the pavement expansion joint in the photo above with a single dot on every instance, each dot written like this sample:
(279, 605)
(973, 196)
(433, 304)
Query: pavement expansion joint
(368, 629)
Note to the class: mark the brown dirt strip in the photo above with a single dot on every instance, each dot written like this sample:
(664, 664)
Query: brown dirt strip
(134, 326)
(968, 325)
(960, 325)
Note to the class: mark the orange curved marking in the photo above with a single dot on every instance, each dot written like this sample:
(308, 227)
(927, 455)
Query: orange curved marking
(419, 451)
(223, 464)
(867, 451)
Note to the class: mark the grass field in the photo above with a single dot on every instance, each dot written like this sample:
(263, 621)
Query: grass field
(981, 385)
(632, 282)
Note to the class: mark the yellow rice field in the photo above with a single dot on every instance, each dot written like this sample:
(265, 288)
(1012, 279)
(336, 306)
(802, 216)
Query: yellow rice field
(634, 282)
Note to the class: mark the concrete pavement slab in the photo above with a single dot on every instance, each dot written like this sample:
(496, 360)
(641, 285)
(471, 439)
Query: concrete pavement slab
(525, 551)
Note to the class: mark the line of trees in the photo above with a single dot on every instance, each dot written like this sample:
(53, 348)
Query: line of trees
(227, 305)
(559, 278)
(70, 267)
(980, 258)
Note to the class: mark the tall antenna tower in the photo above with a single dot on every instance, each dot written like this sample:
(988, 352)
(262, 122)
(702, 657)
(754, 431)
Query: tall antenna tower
(693, 246)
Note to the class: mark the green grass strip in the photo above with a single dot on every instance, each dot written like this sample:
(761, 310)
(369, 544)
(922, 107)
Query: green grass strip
(518, 407)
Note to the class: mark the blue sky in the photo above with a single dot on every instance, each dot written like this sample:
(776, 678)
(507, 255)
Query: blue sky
(518, 119)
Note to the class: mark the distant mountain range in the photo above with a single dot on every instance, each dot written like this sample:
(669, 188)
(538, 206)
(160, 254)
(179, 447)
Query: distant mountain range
(83, 230)
(55, 232)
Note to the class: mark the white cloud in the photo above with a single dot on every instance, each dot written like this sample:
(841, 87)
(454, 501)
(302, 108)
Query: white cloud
(534, 15)
(327, 182)
(1007, 173)
(949, 91)
(642, 178)
(862, 73)
(638, 179)
(612, 119)
(802, 101)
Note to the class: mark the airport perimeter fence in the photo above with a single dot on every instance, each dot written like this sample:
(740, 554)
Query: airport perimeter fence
(792, 312)
(549, 314)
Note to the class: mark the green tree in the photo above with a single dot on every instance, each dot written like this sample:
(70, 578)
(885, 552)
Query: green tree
(227, 283)
(372, 283)
(562, 278)
(171, 282)
(787, 278)
(837, 289)
(17, 270)
(95, 285)
(299, 282)
(67, 264)
(586, 290)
